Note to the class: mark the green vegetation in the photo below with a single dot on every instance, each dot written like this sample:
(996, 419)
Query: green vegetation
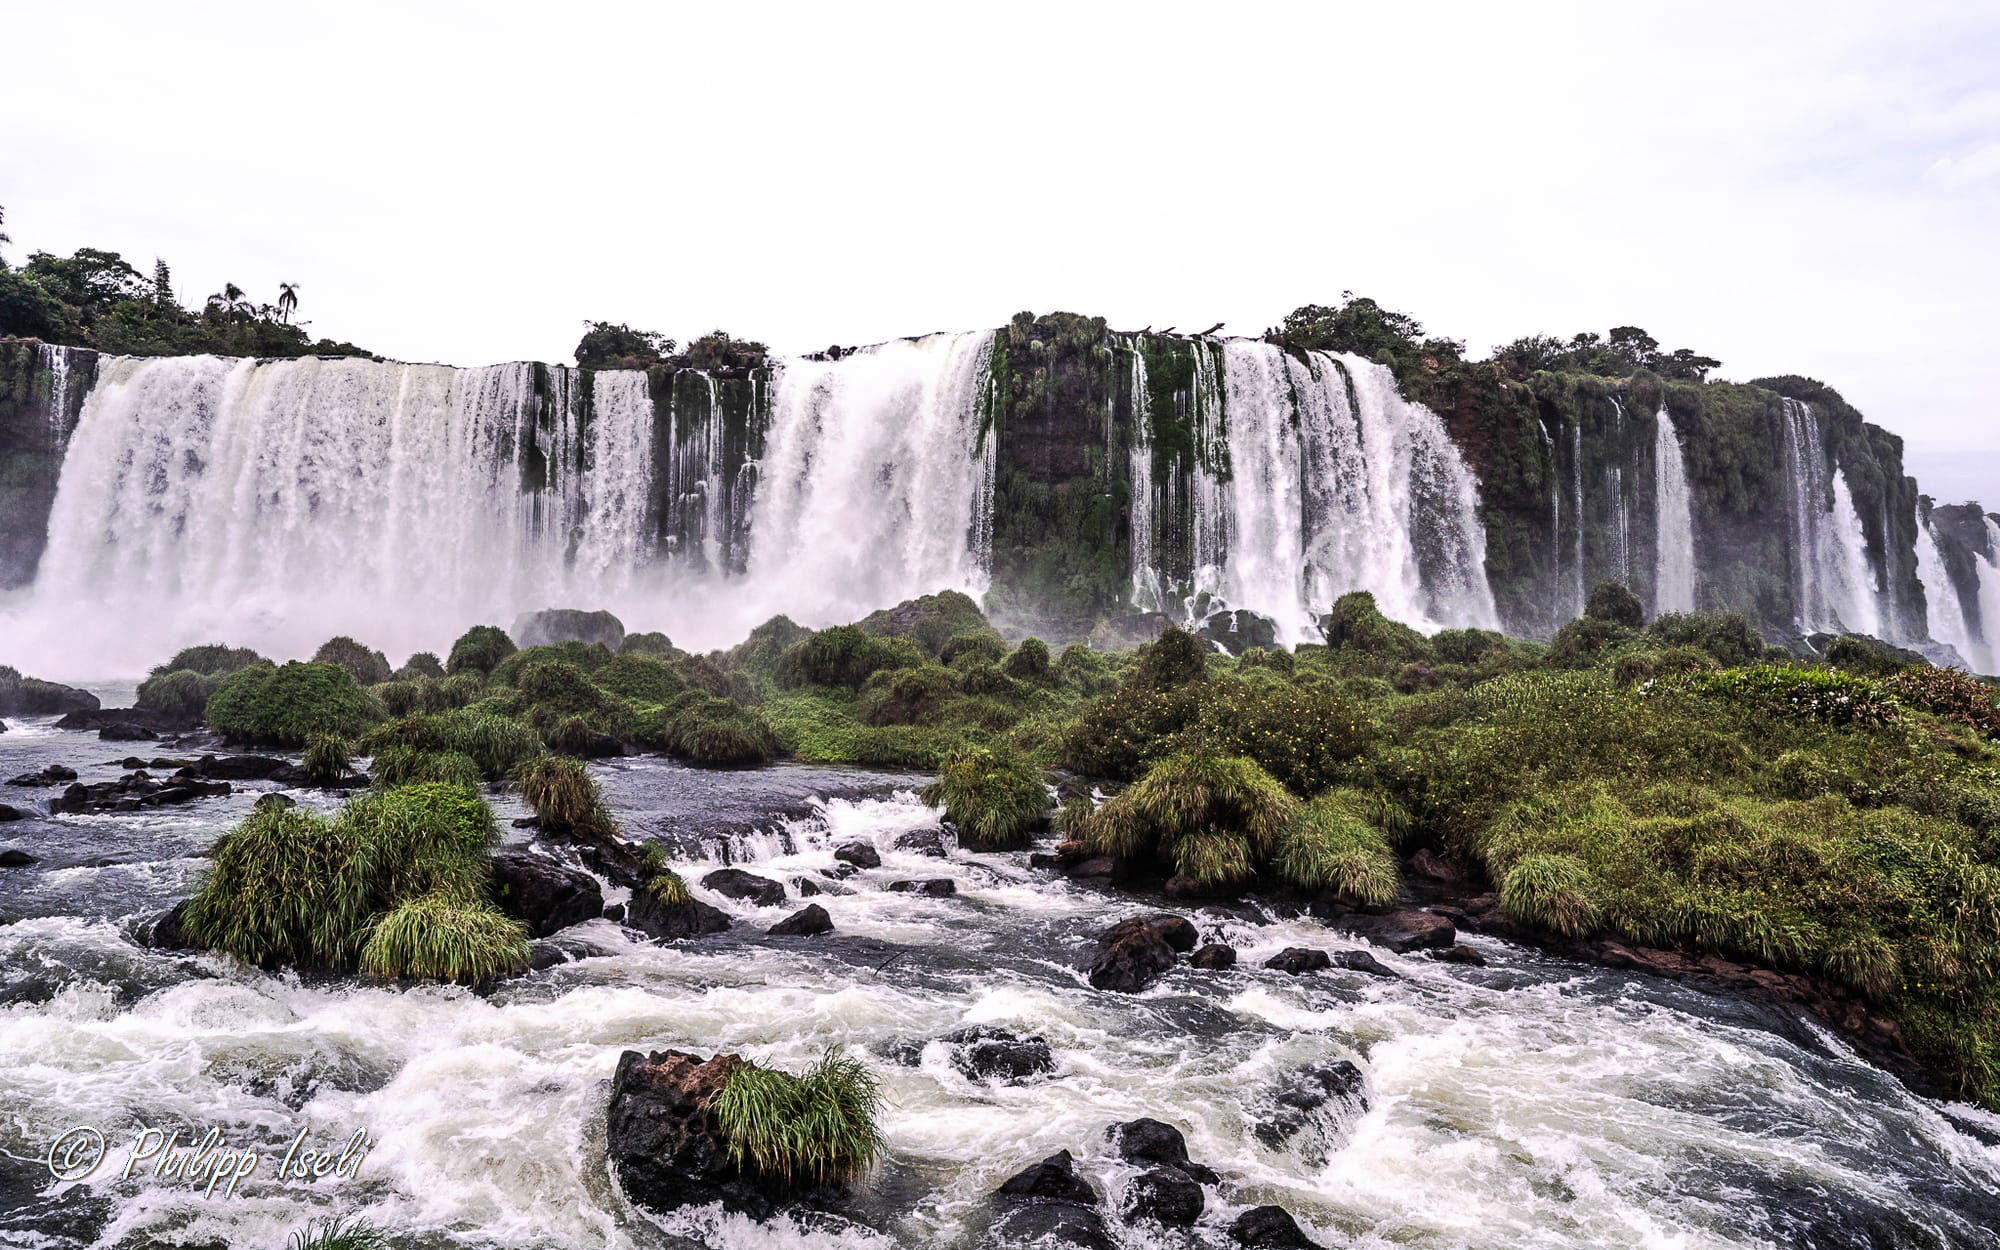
(994, 796)
(337, 1232)
(284, 706)
(327, 759)
(479, 650)
(442, 938)
(367, 667)
(1211, 818)
(801, 1131)
(182, 693)
(563, 795)
(608, 346)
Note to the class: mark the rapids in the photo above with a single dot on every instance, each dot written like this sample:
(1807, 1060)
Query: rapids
(1529, 1103)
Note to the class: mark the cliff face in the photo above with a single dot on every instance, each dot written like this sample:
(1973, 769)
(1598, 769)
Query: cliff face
(42, 390)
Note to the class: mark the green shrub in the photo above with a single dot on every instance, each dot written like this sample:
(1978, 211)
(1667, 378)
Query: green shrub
(929, 621)
(1554, 892)
(668, 887)
(496, 744)
(1175, 658)
(1729, 638)
(367, 667)
(907, 696)
(652, 644)
(445, 938)
(712, 732)
(563, 796)
(423, 838)
(984, 679)
(182, 693)
(210, 660)
(285, 706)
(801, 1131)
(993, 795)
(843, 656)
(1468, 646)
(395, 766)
(640, 677)
(983, 646)
(556, 691)
(327, 759)
(1948, 693)
(1192, 793)
(1080, 668)
(1029, 662)
(1331, 845)
(282, 887)
(479, 650)
(1357, 624)
(1214, 861)
(422, 664)
(819, 728)
(1586, 640)
(1810, 693)
(761, 652)
(1612, 602)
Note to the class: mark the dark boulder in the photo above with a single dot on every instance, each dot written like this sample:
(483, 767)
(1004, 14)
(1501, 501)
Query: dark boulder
(1215, 956)
(1270, 1228)
(8, 812)
(1301, 1096)
(244, 768)
(53, 775)
(1299, 959)
(934, 887)
(126, 731)
(988, 1054)
(1176, 931)
(859, 854)
(1239, 630)
(615, 912)
(671, 922)
(543, 894)
(274, 801)
(13, 857)
(165, 931)
(134, 792)
(30, 696)
(1130, 956)
(662, 1138)
(1165, 1195)
(1401, 931)
(736, 883)
(557, 625)
(809, 921)
(92, 720)
(921, 842)
(1362, 961)
(1459, 955)
(1054, 1179)
(1147, 1140)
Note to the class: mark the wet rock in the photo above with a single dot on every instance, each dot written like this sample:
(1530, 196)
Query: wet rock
(1299, 959)
(545, 955)
(859, 854)
(673, 922)
(1425, 863)
(1047, 1226)
(165, 931)
(1097, 866)
(1147, 1140)
(1176, 931)
(736, 883)
(134, 792)
(13, 857)
(1302, 1093)
(1401, 931)
(1362, 961)
(934, 887)
(1215, 956)
(921, 842)
(809, 921)
(1460, 955)
(1054, 1179)
(1270, 1228)
(8, 812)
(989, 1054)
(542, 894)
(53, 775)
(1239, 630)
(1164, 1195)
(1042, 859)
(615, 912)
(662, 1138)
(555, 625)
(807, 887)
(274, 802)
(1130, 956)
(247, 768)
(126, 731)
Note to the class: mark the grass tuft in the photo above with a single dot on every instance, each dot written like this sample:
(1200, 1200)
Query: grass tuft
(802, 1131)
(445, 938)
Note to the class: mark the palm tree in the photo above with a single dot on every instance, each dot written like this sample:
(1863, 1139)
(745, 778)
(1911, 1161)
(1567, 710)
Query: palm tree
(288, 300)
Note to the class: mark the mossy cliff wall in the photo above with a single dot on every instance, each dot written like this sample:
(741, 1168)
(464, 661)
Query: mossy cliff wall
(41, 395)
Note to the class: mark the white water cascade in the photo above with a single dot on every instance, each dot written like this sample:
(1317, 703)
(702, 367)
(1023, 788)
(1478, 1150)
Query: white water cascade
(1947, 615)
(1673, 526)
(1833, 581)
(1988, 568)
(1335, 483)
(1148, 593)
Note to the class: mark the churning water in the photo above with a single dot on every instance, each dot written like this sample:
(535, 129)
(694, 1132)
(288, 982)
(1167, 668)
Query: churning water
(1530, 1103)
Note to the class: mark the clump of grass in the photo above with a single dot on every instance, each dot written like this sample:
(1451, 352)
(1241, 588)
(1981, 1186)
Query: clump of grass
(1212, 818)
(282, 887)
(668, 888)
(496, 744)
(328, 758)
(284, 706)
(395, 766)
(563, 795)
(336, 1232)
(801, 1131)
(1213, 861)
(479, 650)
(446, 938)
(1555, 892)
(180, 692)
(994, 796)
(428, 838)
(1331, 845)
(710, 731)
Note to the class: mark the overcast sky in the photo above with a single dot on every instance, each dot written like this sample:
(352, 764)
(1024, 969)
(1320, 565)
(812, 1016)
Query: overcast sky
(1808, 188)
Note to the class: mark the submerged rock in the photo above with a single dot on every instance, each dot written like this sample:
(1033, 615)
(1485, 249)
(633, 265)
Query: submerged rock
(671, 922)
(736, 883)
(982, 1053)
(1048, 1205)
(1459, 955)
(1401, 931)
(809, 921)
(1053, 1179)
(921, 842)
(165, 931)
(859, 854)
(1299, 959)
(134, 792)
(1270, 1228)
(13, 857)
(662, 1138)
(53, 775)
(8, 812)
(543, 894)
(1215, 956)
(126, 731)
(1362, 961)
(1301, 1094)
(1176, 931)
(933, 887)
(1130, 956)
(1165, 1195)
(1147, 1140)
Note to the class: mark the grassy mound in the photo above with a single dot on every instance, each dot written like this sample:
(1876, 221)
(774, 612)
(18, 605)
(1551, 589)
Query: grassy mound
(479, 650)
(994, 796)
(285, 706)
(564, 797)
(802, 1132)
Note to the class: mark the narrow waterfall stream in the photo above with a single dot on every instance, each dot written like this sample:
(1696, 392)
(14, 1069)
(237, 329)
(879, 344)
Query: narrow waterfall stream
(1530, 1103)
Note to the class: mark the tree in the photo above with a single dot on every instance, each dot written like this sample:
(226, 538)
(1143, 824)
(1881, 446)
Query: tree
(1621, 353)
(163, 284)
(1363, 327)
(608, 346)
(288, 301)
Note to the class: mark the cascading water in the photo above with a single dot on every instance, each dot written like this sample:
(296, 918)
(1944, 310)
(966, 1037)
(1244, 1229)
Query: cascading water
(1621, 521)
(1988, 568)
(1946, 613)
(1579, 596)
(1148, 590)
(1673, 526)
(1832, 577)
(1333, 483)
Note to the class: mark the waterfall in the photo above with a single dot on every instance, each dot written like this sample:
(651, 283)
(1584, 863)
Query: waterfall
(1147, 592)
(1555, 522)
(1946, 612)
(55, 360)
(1621, 524)
(1576, 512)
(1852, 582)
(1987, 566)
(1333, 483)
(1673, 526)
(1832, 578)
(871, 487)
